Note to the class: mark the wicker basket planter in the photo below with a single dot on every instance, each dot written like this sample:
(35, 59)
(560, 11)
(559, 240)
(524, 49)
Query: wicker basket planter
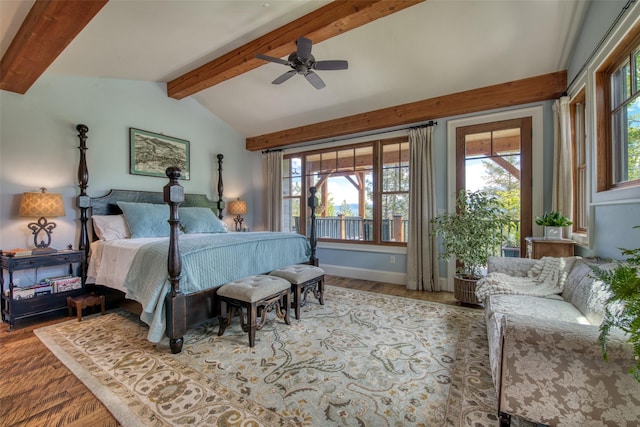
(464, 290)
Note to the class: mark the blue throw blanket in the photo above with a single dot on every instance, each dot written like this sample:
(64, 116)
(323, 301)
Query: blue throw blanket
(208, 261)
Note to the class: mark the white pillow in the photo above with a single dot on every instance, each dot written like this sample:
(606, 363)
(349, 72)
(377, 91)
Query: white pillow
(110, 227)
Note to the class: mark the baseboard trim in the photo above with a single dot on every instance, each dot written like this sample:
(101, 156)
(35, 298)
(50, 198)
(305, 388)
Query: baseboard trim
(377, 275)
(365, 274)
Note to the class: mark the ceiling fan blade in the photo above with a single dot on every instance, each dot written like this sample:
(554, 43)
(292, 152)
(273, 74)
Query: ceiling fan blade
(330, 65)
(272, 59)
(304, 49)
(315, 80)
(284, 77)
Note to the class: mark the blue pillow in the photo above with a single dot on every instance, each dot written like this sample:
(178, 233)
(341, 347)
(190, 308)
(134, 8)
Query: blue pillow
(200, 220)
(146, 219)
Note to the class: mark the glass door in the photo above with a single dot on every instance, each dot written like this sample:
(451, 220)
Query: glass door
(496, 158)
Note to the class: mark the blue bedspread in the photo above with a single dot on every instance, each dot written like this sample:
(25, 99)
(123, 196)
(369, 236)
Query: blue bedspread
(208, 261)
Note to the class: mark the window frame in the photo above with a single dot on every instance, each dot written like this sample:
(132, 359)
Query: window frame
(577, 108)
(377, 193)
(603, 92)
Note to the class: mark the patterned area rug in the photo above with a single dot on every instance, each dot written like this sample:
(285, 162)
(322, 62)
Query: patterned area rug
(362, 359)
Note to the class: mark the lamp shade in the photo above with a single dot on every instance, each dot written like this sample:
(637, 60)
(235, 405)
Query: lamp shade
(237, 207)
(41, 204)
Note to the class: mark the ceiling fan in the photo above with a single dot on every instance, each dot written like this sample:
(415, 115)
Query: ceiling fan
(302, 62)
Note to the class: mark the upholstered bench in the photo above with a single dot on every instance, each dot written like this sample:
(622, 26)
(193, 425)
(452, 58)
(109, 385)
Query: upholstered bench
(257, 294)
(303, 278)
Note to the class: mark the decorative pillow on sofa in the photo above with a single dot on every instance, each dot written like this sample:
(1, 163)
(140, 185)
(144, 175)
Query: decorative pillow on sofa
(200, 220)
(110, 227)
(586, 293)
(553, 269)
(146, 219)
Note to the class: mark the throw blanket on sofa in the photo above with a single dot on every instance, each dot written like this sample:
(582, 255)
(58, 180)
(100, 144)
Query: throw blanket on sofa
(545, 278)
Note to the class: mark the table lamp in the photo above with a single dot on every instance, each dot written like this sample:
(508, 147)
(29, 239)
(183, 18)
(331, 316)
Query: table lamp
(42, 204)
(238, 207)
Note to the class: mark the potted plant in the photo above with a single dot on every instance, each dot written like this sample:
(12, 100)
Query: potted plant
(470, 235)
(553, 223)
(622, 308)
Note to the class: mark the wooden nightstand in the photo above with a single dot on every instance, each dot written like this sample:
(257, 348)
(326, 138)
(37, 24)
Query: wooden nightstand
(14, 309)
(538, 247)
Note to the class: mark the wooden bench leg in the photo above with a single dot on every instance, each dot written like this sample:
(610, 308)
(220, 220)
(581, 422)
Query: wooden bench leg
(252, 323)
(297, 299)
(320, 291)
(226, 321)
(287, 303)
(256, 312)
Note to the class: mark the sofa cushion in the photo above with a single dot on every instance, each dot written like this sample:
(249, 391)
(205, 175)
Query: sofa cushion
(554, 308)
(586, 293)
(516, 267)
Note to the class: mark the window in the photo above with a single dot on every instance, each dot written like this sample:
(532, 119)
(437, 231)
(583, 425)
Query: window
(362, 190)
(291, 193)
(618, 110)
(395, 191)
(579, 148)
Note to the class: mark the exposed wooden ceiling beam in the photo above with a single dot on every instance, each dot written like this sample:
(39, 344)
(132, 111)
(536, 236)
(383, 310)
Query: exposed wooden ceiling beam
(46, 31)
(533, 89)
(335, 18)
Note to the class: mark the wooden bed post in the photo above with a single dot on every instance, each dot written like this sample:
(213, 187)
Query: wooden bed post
(83, 202)
(312, 202)
(220, 202)
(175, 302)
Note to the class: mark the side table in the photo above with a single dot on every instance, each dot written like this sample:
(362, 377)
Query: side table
(538, 247)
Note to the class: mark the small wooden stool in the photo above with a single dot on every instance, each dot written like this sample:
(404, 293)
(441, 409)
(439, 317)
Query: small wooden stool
(254, 293)
(303, 278)
(84, 301)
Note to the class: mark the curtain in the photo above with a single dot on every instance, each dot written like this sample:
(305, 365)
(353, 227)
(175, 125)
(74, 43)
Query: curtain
(562, 192)
(422, 256)
(274, 190)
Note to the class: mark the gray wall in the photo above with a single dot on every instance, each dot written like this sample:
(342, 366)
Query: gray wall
(610, 223)
(613, 213)
(600, 16)
(370, 265)
(38, 147)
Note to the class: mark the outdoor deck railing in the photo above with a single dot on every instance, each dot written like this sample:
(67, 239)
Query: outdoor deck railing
(395, 229)
(358, 228)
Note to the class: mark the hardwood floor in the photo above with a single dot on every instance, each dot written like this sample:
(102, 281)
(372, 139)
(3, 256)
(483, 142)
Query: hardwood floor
(36, 389)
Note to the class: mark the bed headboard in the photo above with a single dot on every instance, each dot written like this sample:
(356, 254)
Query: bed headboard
(108, 204)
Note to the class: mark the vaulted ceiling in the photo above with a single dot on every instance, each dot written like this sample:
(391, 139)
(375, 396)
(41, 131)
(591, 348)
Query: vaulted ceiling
(409, 61)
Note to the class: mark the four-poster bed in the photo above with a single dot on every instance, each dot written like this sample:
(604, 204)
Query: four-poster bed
(185, 294)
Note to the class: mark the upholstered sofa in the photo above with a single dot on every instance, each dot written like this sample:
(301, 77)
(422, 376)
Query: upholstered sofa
(545, 357)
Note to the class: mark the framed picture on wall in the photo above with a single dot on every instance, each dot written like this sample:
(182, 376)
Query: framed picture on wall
(152, 153)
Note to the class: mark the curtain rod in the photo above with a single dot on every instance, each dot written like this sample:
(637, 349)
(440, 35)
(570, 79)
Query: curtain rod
(352, 136)
(269, 150)
(426, 125)
(604, 38)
